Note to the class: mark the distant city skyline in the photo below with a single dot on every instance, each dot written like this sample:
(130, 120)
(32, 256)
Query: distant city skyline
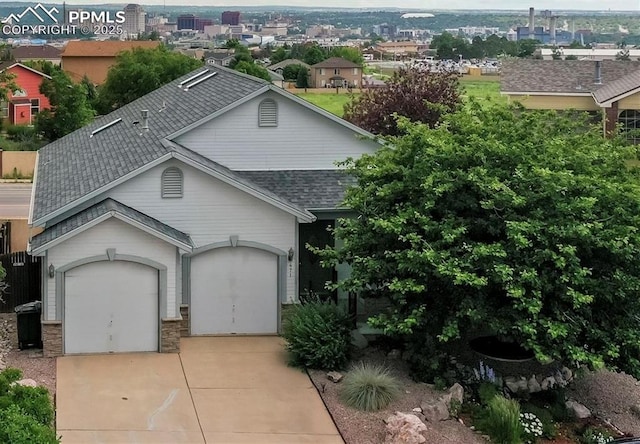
(423, 5)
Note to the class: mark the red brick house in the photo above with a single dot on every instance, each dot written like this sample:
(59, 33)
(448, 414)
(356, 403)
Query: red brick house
(24, 103)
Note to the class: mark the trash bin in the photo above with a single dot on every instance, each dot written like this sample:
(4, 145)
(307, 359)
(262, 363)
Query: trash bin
(29, 328)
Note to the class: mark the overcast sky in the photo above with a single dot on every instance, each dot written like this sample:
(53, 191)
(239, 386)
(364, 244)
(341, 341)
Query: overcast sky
(424, 5)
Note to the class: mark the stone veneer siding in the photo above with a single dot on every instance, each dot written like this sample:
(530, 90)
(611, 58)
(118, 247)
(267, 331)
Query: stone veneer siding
(184, 325)
(170, 336)
(52, 338)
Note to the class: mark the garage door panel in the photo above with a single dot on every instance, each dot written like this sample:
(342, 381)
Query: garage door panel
(111, 307)
(234, 290)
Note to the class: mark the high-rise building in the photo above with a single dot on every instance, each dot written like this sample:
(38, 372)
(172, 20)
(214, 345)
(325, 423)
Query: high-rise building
(231, 18)
(134, 19)
(186, 21)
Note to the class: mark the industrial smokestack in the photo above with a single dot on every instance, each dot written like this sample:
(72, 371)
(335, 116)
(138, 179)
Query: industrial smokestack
(532, 29)
(552, 29)
(598, 74)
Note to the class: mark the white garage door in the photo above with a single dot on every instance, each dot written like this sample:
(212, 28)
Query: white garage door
(234, 290)
(111, 307)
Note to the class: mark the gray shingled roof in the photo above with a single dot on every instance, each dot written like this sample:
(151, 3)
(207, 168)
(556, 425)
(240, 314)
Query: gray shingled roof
(106, 206)
(287, 62)
(311, 189)
(560, 76)
(77, 164)
(618, 87)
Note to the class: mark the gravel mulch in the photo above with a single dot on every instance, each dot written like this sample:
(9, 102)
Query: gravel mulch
(30, 361)
(610, 396)
(359, 427)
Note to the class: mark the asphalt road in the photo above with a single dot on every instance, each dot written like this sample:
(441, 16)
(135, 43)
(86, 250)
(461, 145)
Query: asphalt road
(14, 200)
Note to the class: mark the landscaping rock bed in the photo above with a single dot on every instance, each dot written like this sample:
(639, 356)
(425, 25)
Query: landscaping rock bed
(33, 365)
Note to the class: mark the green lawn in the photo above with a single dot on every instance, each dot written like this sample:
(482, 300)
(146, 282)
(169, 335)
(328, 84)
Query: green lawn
(334, 103)
(479, 89)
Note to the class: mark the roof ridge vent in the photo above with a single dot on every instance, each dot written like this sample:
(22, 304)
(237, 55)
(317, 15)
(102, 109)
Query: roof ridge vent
(193, 77)
(104, 127)
(200, 80)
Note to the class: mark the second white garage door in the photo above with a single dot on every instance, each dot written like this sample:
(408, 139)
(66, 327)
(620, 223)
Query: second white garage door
(111, 307)
(234, 290)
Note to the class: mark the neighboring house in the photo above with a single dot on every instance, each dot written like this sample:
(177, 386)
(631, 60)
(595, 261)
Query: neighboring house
(94, 58)
(280, 66)
(212, 58)
(25, 102)
(608, 89)
(336, 72)
(187, 211)
(36, 52)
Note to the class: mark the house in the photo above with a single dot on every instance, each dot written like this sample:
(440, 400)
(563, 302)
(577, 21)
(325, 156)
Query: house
(29, 53)
(25, 102)
(336, 72)
(218, 58)
(280, 66)
(94, 58)
(608, 89)
(187, 212)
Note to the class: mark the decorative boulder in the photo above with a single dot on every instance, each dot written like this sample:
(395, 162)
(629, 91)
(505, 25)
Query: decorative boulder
(438, 410)
(457, 393)
(405, 428)
(577, 410)
(335, 376)
(27, 383)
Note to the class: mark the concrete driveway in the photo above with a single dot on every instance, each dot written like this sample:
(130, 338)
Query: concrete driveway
(217, 390)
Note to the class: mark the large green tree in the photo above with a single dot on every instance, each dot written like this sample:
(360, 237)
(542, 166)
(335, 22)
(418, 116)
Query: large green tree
(138, 72)
(420, 95)
(519, 222)
(70, 108)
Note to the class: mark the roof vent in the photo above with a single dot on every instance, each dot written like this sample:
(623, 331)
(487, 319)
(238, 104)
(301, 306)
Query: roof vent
(104, 127)
(598, 74)
(145, 119)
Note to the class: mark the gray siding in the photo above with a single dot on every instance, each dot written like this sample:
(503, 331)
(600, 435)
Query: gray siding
(303, 139)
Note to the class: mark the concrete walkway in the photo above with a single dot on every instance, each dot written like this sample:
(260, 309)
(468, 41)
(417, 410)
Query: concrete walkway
(217, 390)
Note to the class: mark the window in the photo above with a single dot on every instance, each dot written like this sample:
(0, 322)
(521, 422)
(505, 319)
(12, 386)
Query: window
(321, 71)
(268, 113)
(4, 109)
(336, 71)
(172, 183)
(630, 121)
(355, 71)
(35, 106)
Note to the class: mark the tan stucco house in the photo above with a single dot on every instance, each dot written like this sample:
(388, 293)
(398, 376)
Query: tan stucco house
(606, 88)
(336, 72)
(94, 58)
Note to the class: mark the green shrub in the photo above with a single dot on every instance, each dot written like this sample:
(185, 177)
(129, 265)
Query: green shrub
(317, 335)
(486, 392)
(594, 435)
(544, 415)
(501, 421)
(369, 387)
(21, 133)
(17, 427)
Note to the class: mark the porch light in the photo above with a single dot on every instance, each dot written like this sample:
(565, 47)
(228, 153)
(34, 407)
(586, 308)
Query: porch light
(290, 254)
(52, 271)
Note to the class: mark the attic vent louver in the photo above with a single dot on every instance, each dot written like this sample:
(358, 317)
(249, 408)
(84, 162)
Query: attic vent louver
(172, 182)
(200, 80)
(268, 113)
(181, 84)
(104, 127)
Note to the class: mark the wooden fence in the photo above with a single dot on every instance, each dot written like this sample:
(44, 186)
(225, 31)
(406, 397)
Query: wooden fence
(23, 280)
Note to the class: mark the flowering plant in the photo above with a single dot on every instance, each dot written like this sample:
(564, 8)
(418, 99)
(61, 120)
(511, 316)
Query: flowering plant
(531, 427)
